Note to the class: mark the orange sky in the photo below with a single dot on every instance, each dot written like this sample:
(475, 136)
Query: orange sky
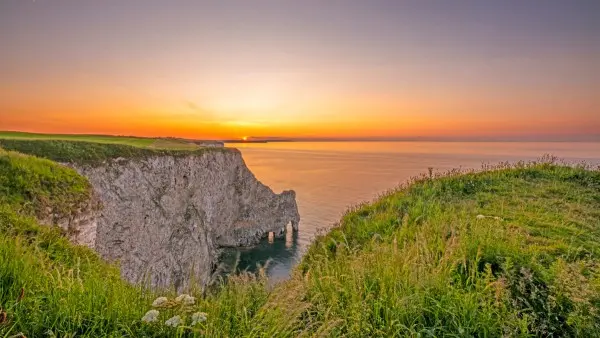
(306, 69)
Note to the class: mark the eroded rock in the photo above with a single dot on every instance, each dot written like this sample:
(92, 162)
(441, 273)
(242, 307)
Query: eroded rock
(164, 217)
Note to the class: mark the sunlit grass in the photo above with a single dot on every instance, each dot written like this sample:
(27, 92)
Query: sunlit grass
(132, 141)
(173, 144)
(85, 152)
(141, 142)
(420, 262)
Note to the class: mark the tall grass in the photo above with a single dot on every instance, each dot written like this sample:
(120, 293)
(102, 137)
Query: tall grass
(512, 251)
(420, 262)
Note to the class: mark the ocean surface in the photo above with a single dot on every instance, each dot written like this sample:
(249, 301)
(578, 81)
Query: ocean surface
(328, 177)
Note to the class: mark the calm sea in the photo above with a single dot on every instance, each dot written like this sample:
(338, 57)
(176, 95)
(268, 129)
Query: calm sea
(328, 177)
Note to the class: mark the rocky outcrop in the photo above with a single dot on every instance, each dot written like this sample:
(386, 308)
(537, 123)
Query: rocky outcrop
(164, 217)
(79, 224)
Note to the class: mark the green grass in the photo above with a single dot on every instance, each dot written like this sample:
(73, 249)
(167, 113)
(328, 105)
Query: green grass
(32, 186)
(84, 152)
(417, 262)
(141, 142)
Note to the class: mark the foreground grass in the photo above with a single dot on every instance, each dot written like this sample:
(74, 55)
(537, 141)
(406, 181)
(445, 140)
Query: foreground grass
(508, 252)
(141, 142)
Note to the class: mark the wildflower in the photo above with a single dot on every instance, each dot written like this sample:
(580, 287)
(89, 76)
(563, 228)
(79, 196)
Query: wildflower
(185, 299)
(159, 301)
(173, 322)
(480, 216)
(189, 300)
(198, 317)
(150, 316)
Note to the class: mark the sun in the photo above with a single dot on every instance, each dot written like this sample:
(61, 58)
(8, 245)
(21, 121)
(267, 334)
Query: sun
(245, 138)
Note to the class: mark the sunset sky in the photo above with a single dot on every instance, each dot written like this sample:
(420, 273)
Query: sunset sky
(338, 68)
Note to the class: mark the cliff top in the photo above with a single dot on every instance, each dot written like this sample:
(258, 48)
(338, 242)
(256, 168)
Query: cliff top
(88, 150)
(170, 143)
(142, 142)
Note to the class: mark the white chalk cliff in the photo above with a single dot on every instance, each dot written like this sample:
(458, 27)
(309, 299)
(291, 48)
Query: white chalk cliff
(164, 217)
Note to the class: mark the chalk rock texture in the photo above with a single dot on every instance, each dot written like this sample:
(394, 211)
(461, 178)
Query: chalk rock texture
(164, 217)
(79, 224)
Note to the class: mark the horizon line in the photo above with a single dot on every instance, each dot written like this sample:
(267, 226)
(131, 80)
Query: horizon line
(269, 139)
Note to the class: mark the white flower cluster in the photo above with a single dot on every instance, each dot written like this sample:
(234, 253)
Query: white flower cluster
(198, 317)
(150, 316)
(183, 303)
(160, 301)
(185, 299)
(173, 321)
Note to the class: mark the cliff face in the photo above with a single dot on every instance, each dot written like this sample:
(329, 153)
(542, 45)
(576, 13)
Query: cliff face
(79, 224)
(164, 217)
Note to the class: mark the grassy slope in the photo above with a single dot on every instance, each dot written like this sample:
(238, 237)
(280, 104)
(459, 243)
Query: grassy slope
(141, 142)
(53, 274)
(419, 261)
(416, 262)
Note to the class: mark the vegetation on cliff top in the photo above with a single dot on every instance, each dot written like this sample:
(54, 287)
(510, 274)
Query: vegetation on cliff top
(31, 186)
(141, 142)
(512, 251)
(84, 152)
